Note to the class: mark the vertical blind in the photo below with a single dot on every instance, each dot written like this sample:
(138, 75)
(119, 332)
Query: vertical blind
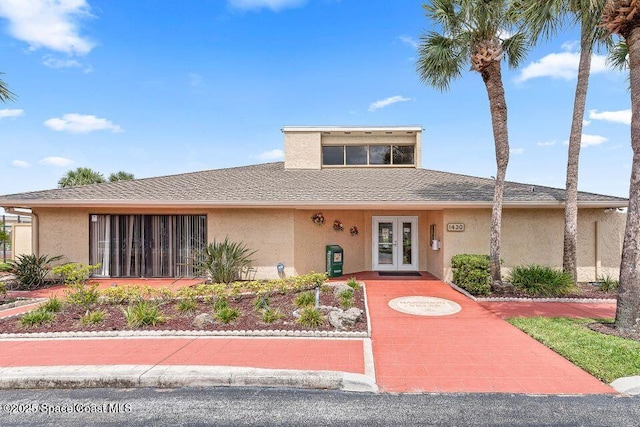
(146, 245)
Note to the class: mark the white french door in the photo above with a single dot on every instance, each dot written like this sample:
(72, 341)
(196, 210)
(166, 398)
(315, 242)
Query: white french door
(395, 243)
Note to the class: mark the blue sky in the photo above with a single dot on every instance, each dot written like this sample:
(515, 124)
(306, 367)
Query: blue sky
(161, 87)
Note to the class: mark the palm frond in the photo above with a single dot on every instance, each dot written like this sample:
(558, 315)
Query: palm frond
(516, 48)
(5, 93)
(441, 60)
(618, 57)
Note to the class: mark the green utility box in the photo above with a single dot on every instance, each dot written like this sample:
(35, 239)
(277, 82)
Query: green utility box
(335, 260)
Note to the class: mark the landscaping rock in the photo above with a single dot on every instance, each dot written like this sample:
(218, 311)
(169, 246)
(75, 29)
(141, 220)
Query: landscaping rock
(345, 319)
(340, 287)
(202, 320)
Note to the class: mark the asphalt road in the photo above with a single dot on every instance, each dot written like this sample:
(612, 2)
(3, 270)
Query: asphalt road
(260, 407)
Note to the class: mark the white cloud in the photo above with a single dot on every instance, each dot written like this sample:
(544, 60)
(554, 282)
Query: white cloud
(586, 122)
(20, 164)
(516, 151)
(274, 5)
(7, 112)
(621, 116)
(563, 65)
(590, 140)
(409, 41)
(55, 161)
(79, 123)
(272, 155)
(546, 144)
(386, 102)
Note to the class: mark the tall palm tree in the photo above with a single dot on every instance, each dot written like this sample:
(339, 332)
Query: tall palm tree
(476, 32)
(622, 17)
(80, 176)
(543, 18)
(121, 176)
(5, 93)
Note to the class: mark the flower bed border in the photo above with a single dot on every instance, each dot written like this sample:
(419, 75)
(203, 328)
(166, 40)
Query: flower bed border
(529, 299)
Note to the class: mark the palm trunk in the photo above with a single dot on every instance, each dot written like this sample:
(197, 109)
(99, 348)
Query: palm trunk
(492, 77)
(569, 261)
(628, 310)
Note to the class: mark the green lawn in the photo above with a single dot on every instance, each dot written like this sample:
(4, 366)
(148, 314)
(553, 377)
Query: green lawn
(606, 357)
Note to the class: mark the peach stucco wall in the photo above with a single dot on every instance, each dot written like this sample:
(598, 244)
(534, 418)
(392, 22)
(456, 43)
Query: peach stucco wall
(536, 236)
(289, 236)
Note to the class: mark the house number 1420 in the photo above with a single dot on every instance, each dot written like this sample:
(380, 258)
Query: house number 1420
(455, 227)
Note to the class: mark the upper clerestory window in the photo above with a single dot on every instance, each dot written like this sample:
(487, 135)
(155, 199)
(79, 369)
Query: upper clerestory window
(368, 155)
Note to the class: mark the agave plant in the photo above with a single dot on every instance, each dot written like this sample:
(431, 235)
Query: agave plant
(223, 262)
(31, 270)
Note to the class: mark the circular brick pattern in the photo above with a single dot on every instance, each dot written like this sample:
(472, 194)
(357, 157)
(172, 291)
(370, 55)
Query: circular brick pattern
(425, 306)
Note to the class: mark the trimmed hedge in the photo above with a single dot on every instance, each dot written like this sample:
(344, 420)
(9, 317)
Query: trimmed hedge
(471, 273)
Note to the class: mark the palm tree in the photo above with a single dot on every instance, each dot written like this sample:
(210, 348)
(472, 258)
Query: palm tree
(80, 176)
(121, 176)
(476, 32)
(544, 18)
(622, 17)
(5, 93)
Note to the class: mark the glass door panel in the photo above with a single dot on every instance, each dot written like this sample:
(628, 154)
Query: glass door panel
(385, 243)
(395, 243)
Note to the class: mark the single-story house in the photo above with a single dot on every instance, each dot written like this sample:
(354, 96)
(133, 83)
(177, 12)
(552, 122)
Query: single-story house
(367, 183)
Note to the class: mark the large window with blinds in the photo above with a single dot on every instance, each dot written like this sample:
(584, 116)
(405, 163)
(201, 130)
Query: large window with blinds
(146, 245)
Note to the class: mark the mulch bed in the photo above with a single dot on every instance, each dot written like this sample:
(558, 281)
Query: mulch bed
(69, 319)
(608, 329)
(584, 290)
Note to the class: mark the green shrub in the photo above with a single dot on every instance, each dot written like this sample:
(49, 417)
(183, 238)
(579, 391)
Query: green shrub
(186, 305)
(541, 281)
(271, 315)
(143, 313)
(5, 266)
(93, 317)
(31, 271)
(82, 295)
(607, 283)
(310, 317)
(471, 273)
(353, 284)
(261, 303)
(227, 314)
(305, 299)
(3, 290)
(222, 262)
(37, 317)
(220, 303)
(121, 295)
(346, 298)
(53, 305)
(74, 273)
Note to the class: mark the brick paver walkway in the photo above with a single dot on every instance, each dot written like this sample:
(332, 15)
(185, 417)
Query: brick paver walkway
(551, 309)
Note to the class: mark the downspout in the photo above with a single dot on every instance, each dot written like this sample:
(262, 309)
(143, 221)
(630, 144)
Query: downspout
(35, 227)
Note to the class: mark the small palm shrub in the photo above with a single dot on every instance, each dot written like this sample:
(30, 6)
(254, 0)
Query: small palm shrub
(271, 315)
(93, 317)
(143, 313)
(305, 299)
(346, 298)
(541, 281)
(220, 303)
(53, 305)
(310, 317)
(227, 314)
(223, 262)
(37, 317)
(607, 284)
(353, 284)
(186, 305)
(471, 273)
(3, 290)
(31, 270)
(261, 303)
(5, 266)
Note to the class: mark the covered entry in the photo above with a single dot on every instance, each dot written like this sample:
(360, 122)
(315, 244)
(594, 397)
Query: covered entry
(395, 243)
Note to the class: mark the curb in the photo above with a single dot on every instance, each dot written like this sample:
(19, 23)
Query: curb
(172, 376)
(627, 385)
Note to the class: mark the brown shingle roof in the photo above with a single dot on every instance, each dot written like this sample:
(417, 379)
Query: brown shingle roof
(270, 183)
